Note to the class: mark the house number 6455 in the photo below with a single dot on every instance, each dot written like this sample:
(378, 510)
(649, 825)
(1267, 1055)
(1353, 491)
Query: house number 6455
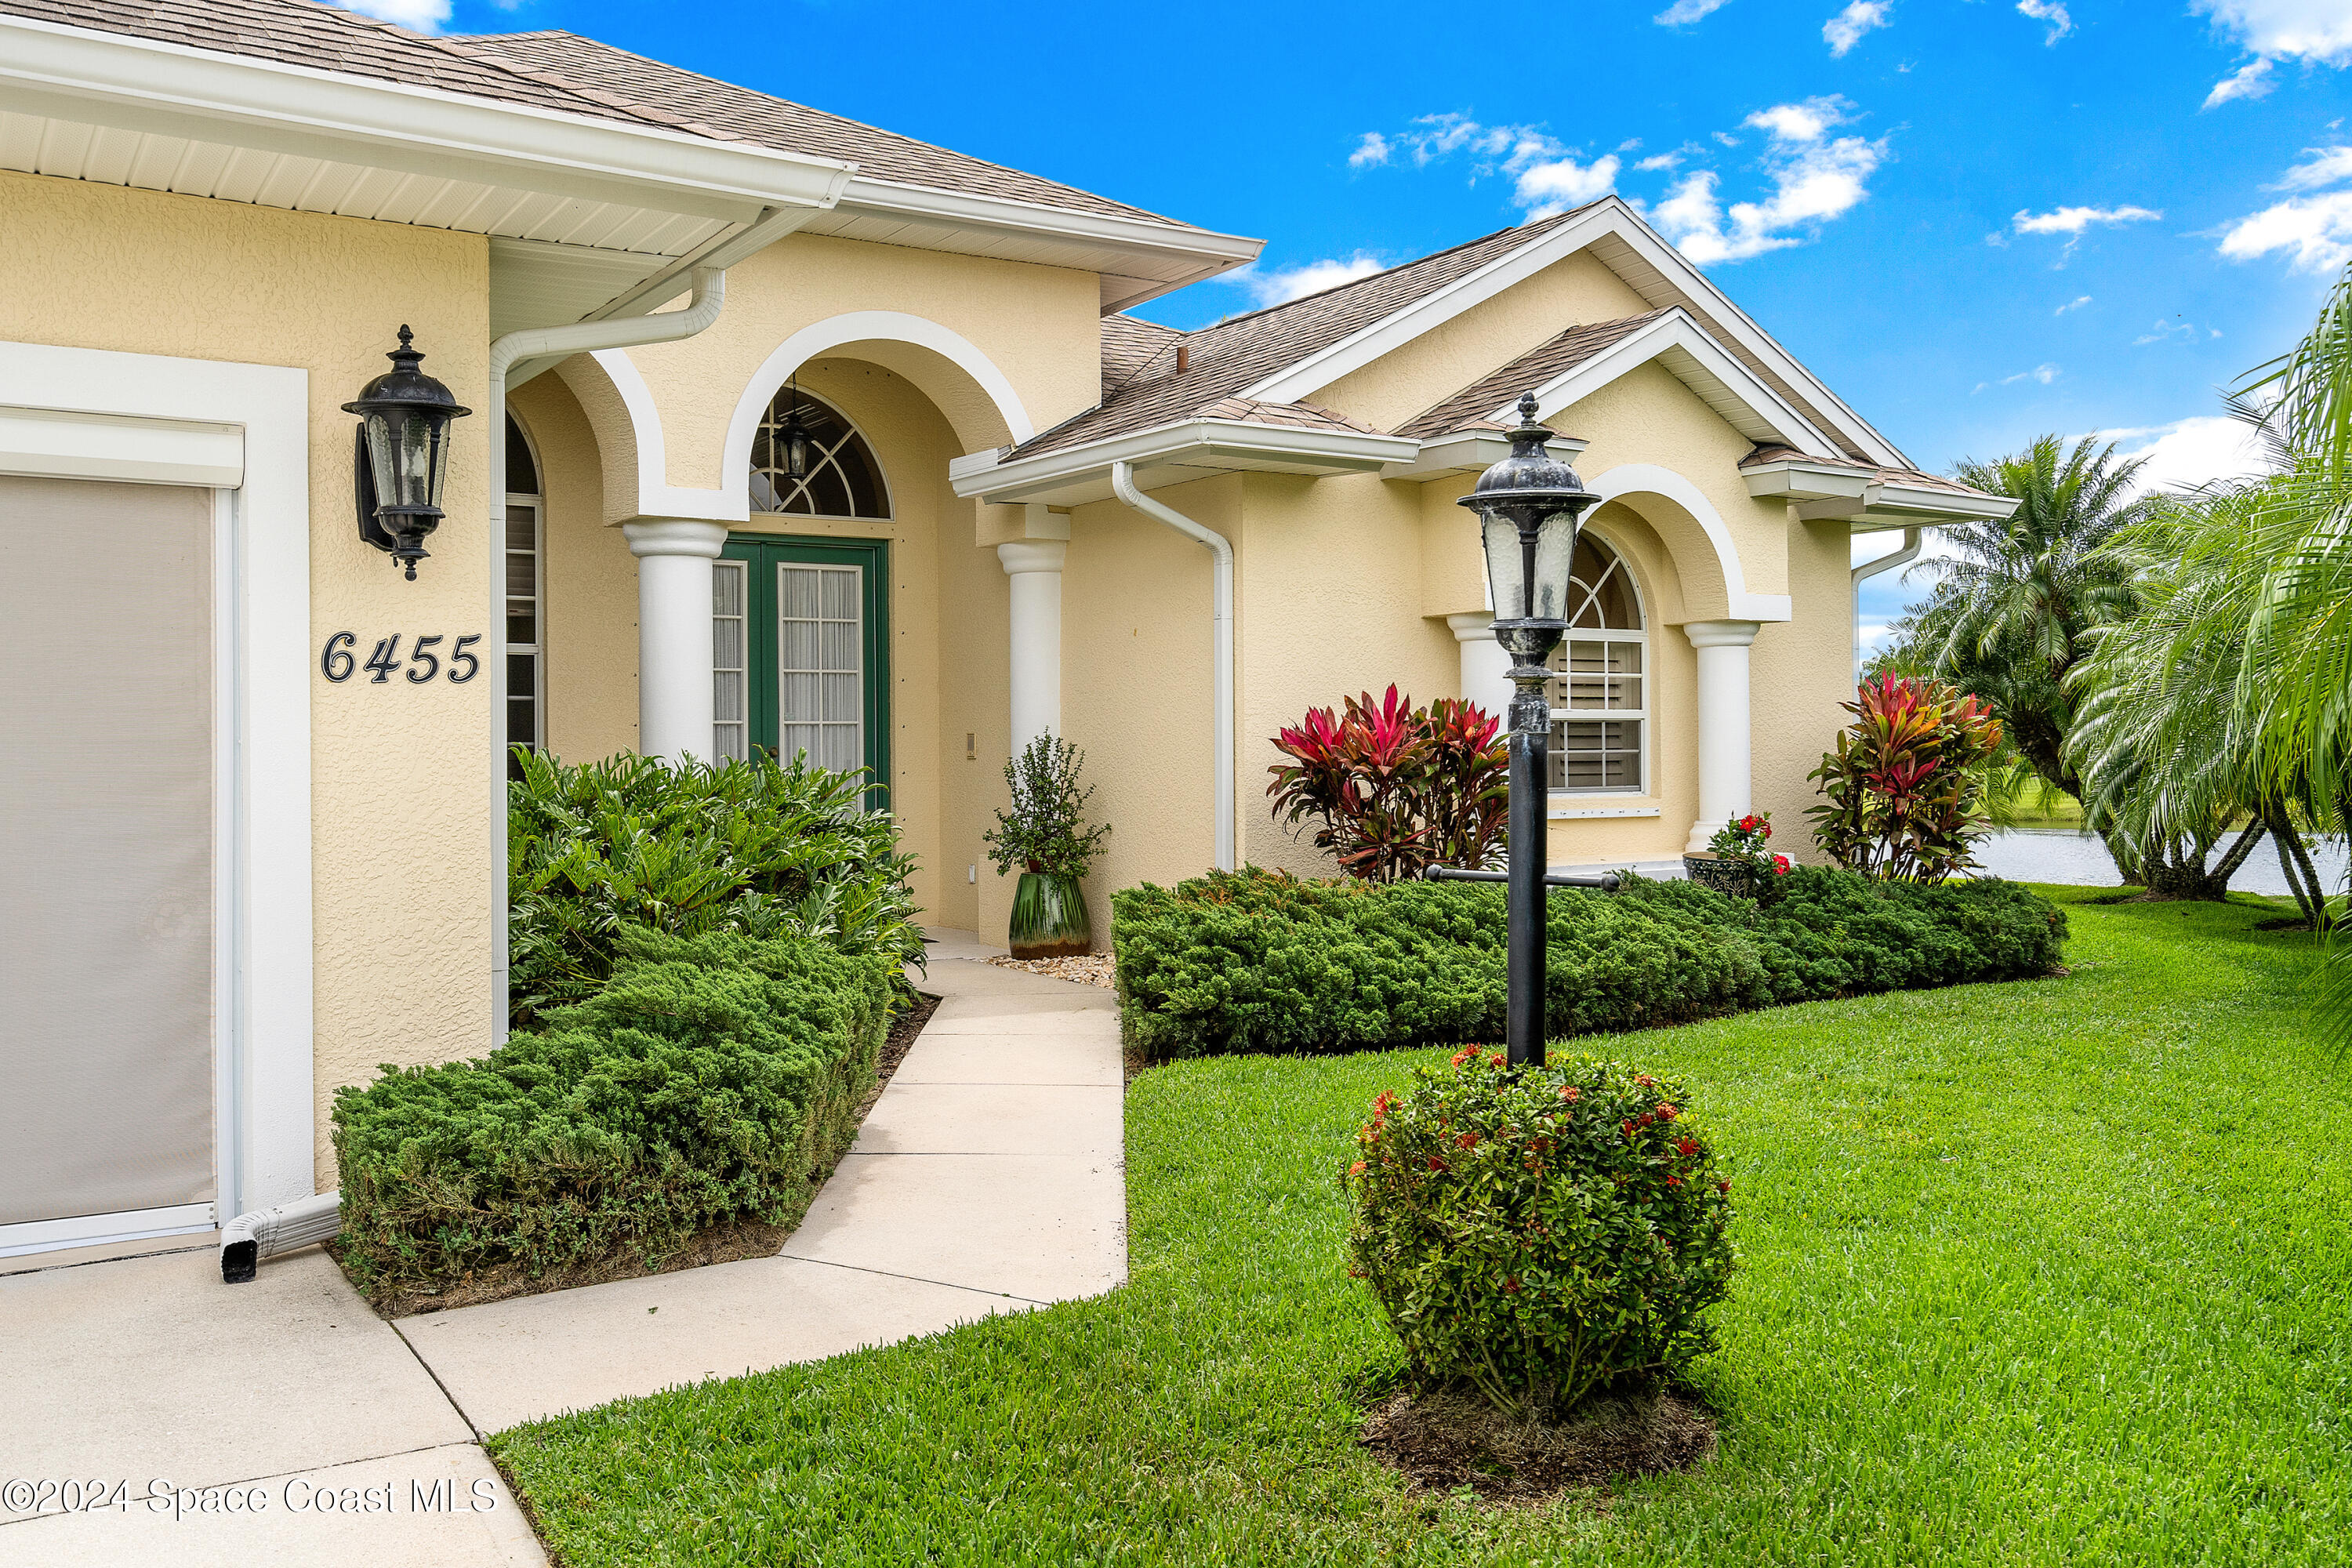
(337, 662)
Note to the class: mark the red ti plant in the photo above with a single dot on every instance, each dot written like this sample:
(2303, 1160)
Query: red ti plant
(1394, 788)
(1901, 792)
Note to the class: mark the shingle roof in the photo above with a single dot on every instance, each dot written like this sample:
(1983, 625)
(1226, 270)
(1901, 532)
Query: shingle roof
(1240, 350)
(1470, 407)
(743, 114)
(1911, 477)
(560, 71)
(301, 33)
(1129, 344)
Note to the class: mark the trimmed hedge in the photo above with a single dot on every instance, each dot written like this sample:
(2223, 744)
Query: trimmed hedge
(712, 1079)
(1258, 960)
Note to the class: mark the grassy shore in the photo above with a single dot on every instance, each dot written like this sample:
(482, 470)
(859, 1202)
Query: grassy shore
(2054, 1271)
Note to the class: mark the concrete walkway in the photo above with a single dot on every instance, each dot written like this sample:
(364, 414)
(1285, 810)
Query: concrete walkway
(987, 1179)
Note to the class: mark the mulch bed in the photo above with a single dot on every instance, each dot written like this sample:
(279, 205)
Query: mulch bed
(1448, 1443)
(719, 1243)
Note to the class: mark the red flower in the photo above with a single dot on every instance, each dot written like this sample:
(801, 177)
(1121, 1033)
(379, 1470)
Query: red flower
(1780, 865)
(1723, 1187)
(1768, 829)
(1512, 1285)
(1468, 1141)
(1646, 1081)
(1685, 1148)
(1467, 1053)
(1674, 1181)
(1496, 1061)
(1567, 1093)
(1384, 1100)
(1435, 1163)
(1626, 1127)
(1356, 1169)
(1667, 1110)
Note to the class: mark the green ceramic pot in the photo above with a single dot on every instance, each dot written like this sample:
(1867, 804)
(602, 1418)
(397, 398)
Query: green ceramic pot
(1049, 917)
(1734, 877)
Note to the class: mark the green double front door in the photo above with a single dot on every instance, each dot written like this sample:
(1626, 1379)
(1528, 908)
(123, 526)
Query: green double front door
(801, 650)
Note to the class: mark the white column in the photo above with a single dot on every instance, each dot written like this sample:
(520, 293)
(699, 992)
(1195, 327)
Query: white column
(673, 651)
(1486, 667)
(1035, 567)
(1723, 720)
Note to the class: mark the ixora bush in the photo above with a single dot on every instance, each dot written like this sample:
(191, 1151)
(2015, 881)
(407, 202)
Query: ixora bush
(1044, 832)
(1541, 1235)
(1739, 860)
(1259, 961)
(1393, 788)
(762, 847)
(1903, 790)
(709, 1080)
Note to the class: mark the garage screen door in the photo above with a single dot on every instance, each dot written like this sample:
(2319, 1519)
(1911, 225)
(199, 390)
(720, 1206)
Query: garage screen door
(106, 848)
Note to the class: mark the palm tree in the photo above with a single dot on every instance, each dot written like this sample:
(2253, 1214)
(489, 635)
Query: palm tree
(2014, 611)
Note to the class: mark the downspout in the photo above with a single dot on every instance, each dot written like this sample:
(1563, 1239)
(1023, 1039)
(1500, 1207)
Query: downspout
(250, 1238)
(507, 353)
(1221, 552)
(1872, 568)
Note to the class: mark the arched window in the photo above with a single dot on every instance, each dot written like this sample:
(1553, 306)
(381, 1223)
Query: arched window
(526, 544)
(842, 478)
(1599, 702)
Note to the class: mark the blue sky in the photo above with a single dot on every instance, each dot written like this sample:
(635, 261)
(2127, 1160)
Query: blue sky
(1978, 220)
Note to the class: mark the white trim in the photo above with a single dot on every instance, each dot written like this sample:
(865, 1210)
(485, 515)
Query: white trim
(1110, 230)
(77, 443)
(1630, 478)
(1471, 452)
(1191, 444)
(263, 554)
(105, 1229)
(84, 76)
(1608, 218)
(1699, 362)
(1560, 812)
(1621, 561)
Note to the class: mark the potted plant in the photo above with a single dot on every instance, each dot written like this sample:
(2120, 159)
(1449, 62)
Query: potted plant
(1044, 833)
(1738, 860)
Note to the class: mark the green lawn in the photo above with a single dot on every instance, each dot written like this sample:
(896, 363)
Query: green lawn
(2053, 1272)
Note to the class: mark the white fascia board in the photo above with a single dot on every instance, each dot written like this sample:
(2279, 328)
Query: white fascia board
(1203, 249)
(1612, 216)
(1707, 363)
(140, 84)
(1209, 443)
(1914, 503)
(1470, 452)
(1795, 479)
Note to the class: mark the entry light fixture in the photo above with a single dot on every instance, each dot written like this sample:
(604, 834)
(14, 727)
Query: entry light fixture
(794, 435)
(402, 460)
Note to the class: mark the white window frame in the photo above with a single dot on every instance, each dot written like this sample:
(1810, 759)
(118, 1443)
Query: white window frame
(538, 650)
(831, 454)
(1645, 715)
(243, 431)
(856, 575)
(741, 722)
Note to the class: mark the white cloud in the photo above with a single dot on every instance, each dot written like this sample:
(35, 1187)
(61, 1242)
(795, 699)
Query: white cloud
(2189, 452)
(1290, 283)
(1684, 12)
(2316, 32)
(424, 15)
(2167, 332)
(2051, 10)
(2315, 232)
(2074, 304)
(1845, 29)
(2041, 375)
(1548, 177)
(2075, 220)
(1656, 162)
(2321, 166)
(1815, 179)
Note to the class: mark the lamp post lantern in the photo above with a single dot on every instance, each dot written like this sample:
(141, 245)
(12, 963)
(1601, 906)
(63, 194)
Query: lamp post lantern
(1529, 505)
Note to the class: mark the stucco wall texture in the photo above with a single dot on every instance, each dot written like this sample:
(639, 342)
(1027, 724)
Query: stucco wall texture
(401, 803)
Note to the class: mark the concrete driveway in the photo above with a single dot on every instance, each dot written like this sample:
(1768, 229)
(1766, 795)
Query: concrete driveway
(283, 1421)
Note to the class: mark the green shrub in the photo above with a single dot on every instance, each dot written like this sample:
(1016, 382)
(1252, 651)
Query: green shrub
(1537, 1233)
(710, 1079)
(761, 847)
(1257, 961)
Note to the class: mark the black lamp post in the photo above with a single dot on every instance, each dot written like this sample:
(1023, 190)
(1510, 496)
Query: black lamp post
(1528, 506)
(403, 458)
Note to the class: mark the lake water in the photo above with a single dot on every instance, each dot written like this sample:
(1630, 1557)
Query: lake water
(2061, 855)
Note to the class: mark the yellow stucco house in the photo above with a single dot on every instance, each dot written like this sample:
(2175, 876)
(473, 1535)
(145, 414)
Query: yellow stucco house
(235, 878)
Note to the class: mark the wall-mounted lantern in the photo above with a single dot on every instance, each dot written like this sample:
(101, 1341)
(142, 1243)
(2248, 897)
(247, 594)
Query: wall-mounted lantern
(794, 435)
(403, 457)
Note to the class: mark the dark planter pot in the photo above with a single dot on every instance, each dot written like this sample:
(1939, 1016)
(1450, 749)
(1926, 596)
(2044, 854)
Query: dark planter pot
(1049, 917)
(1710, 870)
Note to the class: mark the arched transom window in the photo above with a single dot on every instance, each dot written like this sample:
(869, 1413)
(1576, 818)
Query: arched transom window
(842, 478)
(1600, 699)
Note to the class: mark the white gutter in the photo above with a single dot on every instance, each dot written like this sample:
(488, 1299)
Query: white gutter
(1232, 443)
(1221, 552)
(1872, 568)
